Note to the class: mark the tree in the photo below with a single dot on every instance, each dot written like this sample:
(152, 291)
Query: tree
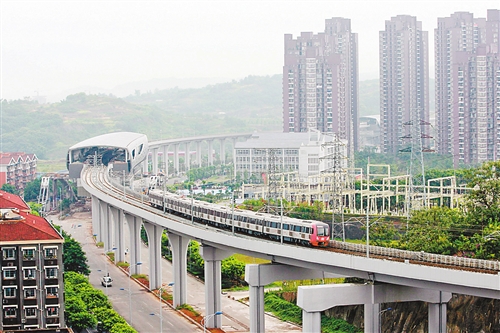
(10, 188)
(483, 201)
(429, 230)
(107, 318)
(36, 208)
(74, 259)
(81, 320)
(32, 190)
(232, 271)
(122, 328)
(77, 316)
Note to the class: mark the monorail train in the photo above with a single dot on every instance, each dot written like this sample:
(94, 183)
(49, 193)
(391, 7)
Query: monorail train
(297, 231)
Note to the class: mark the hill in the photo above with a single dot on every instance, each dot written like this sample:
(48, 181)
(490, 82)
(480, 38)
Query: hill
(251, 104)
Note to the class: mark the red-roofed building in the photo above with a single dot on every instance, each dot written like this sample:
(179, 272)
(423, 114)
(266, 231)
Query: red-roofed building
(17, 169)
(32, 268)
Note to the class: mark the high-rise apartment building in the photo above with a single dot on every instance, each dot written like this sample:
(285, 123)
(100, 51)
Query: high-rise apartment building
(468, 87)
(320, 82)
(404, 84)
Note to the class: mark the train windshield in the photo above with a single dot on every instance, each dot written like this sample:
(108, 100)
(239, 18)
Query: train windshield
(321, 230)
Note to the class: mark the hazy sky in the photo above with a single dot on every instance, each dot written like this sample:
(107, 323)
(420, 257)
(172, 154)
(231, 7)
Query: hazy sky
(53, 46)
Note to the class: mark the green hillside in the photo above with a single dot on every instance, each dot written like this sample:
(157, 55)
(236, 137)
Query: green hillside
(251, 104)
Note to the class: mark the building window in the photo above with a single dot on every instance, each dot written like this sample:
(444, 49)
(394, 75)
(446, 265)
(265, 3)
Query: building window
(30, 312)
(9, 292)
(51, 272)
(28, 254)
(50, 253)
(9, 312)
(29, 292)
(9, 253)
(9, 273)
(52, 311)
(29, 273)
(52, 291)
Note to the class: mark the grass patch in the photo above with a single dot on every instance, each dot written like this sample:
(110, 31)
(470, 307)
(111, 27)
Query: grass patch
(290, 312)
(50, 166)
(189, 308)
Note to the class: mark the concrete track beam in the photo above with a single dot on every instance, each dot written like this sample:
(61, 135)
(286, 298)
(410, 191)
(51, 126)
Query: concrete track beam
(314, 299)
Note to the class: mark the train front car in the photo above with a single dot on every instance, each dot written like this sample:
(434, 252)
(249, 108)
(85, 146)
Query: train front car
(320, 235)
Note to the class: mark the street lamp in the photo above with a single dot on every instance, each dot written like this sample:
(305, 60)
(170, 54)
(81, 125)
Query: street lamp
(208, 317)
(130, 291)
(380, 318)
(107, 272)
(161, 305)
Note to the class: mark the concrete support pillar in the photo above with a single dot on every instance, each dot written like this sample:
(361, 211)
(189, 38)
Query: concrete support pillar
(179, 246)
(106, 226)
(154, 243)
(101, 232)
(165, 158)
(134, 226)
(96, 219)
(187, 156)
(155, 161)
(222, 151)
(372, 317)
(437, 314)
(311, 322)
(145, 165)
(198, 153)
(176, 158)
(233, 153)
(213, 258)
(118, 237)
(257, 276)
(210, 152)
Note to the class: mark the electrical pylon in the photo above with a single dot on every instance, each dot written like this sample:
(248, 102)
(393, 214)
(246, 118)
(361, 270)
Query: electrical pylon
(415, 197)
(334, 158)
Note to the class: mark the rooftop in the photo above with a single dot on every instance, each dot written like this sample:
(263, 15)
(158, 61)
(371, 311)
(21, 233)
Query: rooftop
(17, 224)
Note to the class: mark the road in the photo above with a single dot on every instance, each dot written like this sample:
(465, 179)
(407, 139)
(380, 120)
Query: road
(145, 306)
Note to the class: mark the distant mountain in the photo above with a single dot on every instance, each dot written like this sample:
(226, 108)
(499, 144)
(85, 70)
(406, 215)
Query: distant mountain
(251, 104)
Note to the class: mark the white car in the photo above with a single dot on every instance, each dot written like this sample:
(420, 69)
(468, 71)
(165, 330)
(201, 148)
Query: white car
(106, 281)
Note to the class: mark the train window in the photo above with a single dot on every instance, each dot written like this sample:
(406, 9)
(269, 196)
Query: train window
(321, 231)
(286, 226)
(140, 148)
(296, 228)
(308, 230)
(274, 225)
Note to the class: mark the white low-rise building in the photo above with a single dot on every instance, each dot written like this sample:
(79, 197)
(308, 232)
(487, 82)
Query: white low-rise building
(306, 153)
